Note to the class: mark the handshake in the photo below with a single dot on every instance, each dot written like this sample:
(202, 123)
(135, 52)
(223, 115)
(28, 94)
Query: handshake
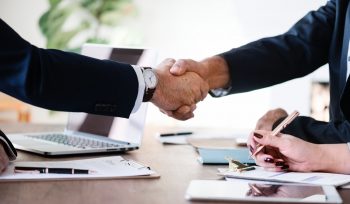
(184, 83)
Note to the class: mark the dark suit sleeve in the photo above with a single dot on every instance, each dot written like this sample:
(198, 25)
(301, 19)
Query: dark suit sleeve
(64, 81)
(273, 60)
(298, 52)
(318, 132)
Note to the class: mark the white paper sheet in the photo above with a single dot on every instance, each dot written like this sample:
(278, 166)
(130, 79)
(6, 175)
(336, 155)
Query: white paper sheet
(105, 167)
(316, 178)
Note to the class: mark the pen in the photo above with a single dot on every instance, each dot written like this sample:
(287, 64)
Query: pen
(175, 134)
(45, 170)
(278, 129)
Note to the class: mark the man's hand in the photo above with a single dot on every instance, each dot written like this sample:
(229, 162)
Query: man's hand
(178, 92)
(187, 65)
(213, 70)
(4, 160)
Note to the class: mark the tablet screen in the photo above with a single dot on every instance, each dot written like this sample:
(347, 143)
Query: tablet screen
(260, 192)
(285, 191)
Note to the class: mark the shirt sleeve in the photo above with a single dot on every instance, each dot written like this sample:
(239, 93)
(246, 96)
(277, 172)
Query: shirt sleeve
(140, 93)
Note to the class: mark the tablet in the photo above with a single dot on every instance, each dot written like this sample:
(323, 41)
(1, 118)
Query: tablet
(216, 190)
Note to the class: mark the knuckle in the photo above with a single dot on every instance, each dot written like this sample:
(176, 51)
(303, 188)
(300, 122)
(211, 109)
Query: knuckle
(181, 62)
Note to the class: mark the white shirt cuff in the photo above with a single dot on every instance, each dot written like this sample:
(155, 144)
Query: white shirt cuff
(141, 88)
(220, 92)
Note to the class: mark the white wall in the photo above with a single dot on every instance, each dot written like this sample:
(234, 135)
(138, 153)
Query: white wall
(197, 29)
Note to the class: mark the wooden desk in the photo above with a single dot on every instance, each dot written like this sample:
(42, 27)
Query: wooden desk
(176, 164)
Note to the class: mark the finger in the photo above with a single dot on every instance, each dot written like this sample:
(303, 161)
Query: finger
(251, 144)
(204, 90)
(271, 164)
(265, 160)
(183, 110)
(280, 113)
(179, 68)
(197, 96)
(282, 165)
(182, 116)
(265, 138)
(274, 169)
(273, 152)
(184, 65)
(193, 107)
(185, 116)
(167, 62)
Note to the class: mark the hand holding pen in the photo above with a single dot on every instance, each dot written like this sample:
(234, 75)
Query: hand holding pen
(278, 129)
(271, 139)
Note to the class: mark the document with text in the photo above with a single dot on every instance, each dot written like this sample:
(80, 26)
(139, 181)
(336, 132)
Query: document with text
(102, 168)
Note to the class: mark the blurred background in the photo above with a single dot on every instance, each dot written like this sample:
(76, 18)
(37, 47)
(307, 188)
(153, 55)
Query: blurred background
(179, 29)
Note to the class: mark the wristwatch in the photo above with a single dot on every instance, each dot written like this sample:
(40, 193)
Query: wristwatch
(151, 81)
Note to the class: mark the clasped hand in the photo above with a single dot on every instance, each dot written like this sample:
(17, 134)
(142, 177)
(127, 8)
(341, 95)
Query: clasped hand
(179, 88)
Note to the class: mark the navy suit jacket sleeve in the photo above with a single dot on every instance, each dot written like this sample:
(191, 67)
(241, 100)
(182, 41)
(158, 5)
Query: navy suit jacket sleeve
(318, 132)
(64, 81)
(296, 53)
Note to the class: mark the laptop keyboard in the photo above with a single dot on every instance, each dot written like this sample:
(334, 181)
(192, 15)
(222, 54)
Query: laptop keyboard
(78, 142)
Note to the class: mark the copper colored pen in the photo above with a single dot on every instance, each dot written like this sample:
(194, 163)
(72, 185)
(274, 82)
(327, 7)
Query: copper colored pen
(278, 129)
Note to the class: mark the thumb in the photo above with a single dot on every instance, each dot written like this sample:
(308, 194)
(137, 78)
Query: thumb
(185, 65)
(179, 68)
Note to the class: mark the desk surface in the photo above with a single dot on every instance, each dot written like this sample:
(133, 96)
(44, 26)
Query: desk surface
(176, 164)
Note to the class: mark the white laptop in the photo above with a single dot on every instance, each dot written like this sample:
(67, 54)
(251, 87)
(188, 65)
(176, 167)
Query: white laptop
(88, 133)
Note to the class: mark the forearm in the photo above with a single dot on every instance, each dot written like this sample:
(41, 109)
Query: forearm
(333, 158)
(64, 81)
(273, 60)
(319, 132)
(218, 72)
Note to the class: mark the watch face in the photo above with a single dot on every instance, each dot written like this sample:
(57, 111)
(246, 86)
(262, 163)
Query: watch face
(150, 78)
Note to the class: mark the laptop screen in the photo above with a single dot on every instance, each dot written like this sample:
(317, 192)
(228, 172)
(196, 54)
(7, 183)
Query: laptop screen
(122, 129)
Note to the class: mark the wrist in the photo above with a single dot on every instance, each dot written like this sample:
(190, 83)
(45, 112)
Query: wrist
(321, 159)
(218, 75)
(151, 81)
(333, 158)
(157, 91)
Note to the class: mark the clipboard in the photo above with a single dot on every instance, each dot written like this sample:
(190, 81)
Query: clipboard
(115, 167)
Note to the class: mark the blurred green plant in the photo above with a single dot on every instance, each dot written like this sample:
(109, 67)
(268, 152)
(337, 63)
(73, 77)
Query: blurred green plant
(67, 24)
